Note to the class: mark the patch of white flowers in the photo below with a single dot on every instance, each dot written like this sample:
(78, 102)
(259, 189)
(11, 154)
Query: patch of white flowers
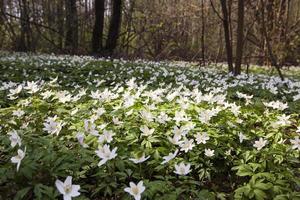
(178, 114)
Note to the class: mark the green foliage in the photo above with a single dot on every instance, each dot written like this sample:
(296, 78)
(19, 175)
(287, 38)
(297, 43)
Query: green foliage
(237, 169)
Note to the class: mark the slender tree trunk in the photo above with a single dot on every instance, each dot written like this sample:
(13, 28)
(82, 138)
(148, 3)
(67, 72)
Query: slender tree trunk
(71, 39)
(129, 26)
(25, 39)
(229, 6)
(227, 35)
(2, 23)
(220, 48)
(114, 27)
(240, 37)
(203, 33)
(272, 57)
(2, 12)
(98, 26)
(60, 22)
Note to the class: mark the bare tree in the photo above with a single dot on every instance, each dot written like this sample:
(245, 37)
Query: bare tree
(98, 26)
(240, 37)
(114, 27)
(272, 57)
(24, 42)
(228, 45)
(71, 38)
(203, 33)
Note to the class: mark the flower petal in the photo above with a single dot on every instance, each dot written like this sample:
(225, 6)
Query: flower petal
(68, 181)
(60, 186)
(75, 189)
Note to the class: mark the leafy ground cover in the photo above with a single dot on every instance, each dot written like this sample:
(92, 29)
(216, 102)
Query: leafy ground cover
(76, 127)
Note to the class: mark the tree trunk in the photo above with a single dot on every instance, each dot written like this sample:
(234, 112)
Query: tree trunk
(227, 35)
(60, 22)
(25, 39)
(98, 26)
(114, 27)
(240, 37)
(71, 38)
(203, 33)
(2, 12)
(129, 26)
(272, 57)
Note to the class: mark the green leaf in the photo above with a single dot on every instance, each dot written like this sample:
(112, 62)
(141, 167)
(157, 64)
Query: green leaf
(205, 195)
(260, 195)
(244, 170)
(22, 193)
(263, 186)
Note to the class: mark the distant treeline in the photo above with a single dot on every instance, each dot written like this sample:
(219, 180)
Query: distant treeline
(235, 31)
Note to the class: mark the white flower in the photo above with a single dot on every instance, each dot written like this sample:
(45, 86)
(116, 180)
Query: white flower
(202, 138)
(52, 126)
(239, 121)
(235, 109)
(180, 116)
(63, 96)
(276, 105)
(100, 111)
(187, 145)
(171, 96)
(209, 152)
(245, 96)
(67, 189)
(90, 128)
(73, 112)
(135, 190)
(146, 131)
(169, 157)
(147, 115)
(179, 132)
(189, 126)
(106, 136)
(129, 112)
(18, 113)
(182, 169)
(32, 87)
(175, 140)
(116, 121)
(228, 152)
(162, 118)
(129, 101)
(296, 143)
(47, 94)
(140, 159)
(96, 94)
(18, 158)
(14, 138)
(259, 144)
(242, 137)
(131, 84)
(282, 120)
(205, 116)
(298, 129)
(15, 91)
(106, 154)
(80, 138)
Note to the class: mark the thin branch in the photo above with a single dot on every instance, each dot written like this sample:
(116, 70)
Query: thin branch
(214, 9)
(34, 23)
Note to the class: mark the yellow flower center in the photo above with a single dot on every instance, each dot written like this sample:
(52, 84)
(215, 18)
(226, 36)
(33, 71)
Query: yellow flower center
(182, 171)
(68, 188)
(135, 190)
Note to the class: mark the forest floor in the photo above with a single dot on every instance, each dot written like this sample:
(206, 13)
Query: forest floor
(186, 132)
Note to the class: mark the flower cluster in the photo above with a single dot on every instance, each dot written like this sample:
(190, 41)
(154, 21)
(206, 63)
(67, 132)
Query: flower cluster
(147, 129)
